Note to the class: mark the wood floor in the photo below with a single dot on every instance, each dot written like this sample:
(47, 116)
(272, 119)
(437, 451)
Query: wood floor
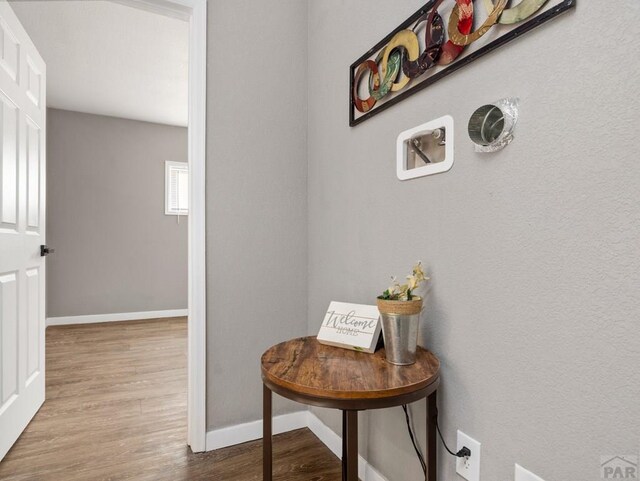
(116, 410)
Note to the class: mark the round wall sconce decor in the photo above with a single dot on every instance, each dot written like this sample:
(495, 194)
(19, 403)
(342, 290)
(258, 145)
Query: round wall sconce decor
(491, 126)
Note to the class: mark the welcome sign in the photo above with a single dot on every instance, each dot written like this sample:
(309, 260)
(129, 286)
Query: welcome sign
(351, 326)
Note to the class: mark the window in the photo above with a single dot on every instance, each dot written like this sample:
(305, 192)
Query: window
(176, 188)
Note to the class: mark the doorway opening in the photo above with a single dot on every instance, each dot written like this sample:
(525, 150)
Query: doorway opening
(193, 12)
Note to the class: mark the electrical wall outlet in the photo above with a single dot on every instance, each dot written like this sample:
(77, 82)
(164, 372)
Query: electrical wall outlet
(468, 467)
(524, 475)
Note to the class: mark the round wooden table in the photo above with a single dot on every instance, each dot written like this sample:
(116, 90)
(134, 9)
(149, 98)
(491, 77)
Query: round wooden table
(311, 373)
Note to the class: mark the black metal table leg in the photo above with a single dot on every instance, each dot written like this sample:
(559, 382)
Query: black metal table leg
(344, 445)
(432, 412)
(267, 454)
(350, 446)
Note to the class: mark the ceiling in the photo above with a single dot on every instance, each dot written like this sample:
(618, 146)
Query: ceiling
(111, 59)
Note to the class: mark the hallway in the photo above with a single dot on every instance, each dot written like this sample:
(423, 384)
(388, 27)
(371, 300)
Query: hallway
(116, 410)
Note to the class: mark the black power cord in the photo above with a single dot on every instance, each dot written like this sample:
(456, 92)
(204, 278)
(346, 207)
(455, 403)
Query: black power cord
(465, 452)
(413, 439)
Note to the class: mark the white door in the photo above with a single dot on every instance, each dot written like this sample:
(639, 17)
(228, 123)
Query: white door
(22, 228)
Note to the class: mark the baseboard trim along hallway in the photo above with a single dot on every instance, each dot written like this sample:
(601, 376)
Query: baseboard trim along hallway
(242, 433)
(119, 316)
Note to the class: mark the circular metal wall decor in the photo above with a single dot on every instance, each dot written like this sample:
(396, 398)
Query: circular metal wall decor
(465, 39)
(407, 40)
(433, 38)
(451, 51)
(516, 14)
(393, 68)
(364, 105)
(431, 44)
(491, 126)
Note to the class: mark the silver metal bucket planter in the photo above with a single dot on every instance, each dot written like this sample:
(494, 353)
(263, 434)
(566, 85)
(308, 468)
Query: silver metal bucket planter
(400, 322)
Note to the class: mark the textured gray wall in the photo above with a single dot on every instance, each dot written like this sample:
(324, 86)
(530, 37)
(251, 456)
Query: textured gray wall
(116, 251)
(256, 196)
(533, 251)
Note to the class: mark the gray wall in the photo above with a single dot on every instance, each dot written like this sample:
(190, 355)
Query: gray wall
(256, 196)
(533, 251)
(116, 251)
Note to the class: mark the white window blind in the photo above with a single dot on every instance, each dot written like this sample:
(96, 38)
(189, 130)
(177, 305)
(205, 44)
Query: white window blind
(176, 188)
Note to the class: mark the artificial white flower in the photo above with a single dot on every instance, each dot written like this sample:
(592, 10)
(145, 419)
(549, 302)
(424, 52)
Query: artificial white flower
(404, 292)
(394, 286)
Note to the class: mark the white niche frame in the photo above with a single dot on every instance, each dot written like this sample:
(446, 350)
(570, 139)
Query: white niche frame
(403, 173)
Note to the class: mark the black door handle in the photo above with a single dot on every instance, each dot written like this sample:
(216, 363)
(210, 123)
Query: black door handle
(45, 250)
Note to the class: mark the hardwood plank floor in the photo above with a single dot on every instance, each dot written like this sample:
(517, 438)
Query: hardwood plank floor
(116, 410)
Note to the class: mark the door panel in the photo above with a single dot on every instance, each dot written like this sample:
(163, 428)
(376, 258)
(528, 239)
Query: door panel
(8, 337)
(33, 176)
(9, 52)
(9, 163)
(22, 228)
(34, 82)
(33, 322)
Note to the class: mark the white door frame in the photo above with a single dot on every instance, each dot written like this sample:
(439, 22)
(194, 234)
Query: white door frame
(195, 12)
(197, 406)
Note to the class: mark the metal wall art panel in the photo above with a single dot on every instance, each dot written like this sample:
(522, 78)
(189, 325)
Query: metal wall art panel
(436, 41)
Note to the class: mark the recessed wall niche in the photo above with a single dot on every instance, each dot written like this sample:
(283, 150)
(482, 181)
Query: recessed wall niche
(426, 149)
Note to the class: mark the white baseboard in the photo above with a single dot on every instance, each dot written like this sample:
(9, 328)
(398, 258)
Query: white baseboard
(119, 316)
(242, 433)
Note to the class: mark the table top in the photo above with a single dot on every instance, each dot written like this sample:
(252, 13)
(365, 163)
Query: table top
(305, 367)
